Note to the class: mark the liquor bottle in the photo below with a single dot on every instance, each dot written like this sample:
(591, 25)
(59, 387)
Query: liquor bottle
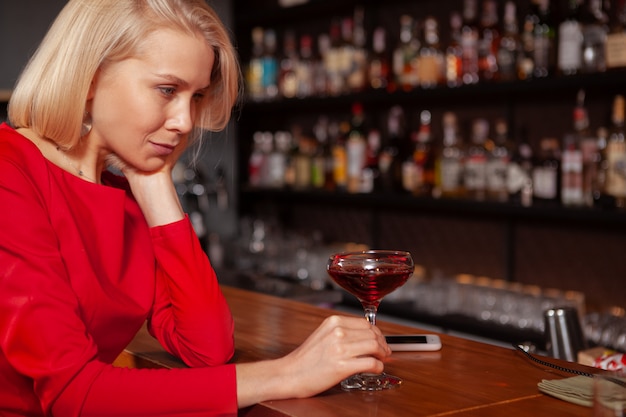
(347, 52)
(572, 177)
(454, 52)
(547, 173)
(257, 160)
(451, 158)
(339, 156)
(357, 75)
(469, 42)
(379, 67)
(305, 67)
(332, 60)
(394, 151)
(371, 172)
(430, 61)
(405, 54)
(277, 160)
(595, 30)
(320, 77)
(254, 75)
(544, 39)
(423, 181)
(291, 150)
(303, 158)
(570, 41)
(356, 147)
(475, 169)
(616, 155)
(319, 161)
(509, 48)
(616, 38)
(498, 162)
(601, 198)
(270, 65)
(288, 76)
(519, 175)
(526, 61)
(488, 41)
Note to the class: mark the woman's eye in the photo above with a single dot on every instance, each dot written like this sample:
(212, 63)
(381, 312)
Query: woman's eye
(168, 91)
(198, 97)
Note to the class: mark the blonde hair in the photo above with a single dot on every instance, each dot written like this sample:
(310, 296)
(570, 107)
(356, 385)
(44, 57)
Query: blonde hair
(51, 93)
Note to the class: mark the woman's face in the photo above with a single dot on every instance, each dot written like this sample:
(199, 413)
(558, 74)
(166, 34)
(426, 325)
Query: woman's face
(143, 107)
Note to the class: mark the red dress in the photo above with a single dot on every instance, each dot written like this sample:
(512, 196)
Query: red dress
(80, 272)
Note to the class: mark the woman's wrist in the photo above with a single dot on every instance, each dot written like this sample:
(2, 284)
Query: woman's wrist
(263, 381)
(157, 198)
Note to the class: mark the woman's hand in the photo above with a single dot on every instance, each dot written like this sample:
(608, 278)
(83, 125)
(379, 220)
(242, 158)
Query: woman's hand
(341, 346)
(154, 191)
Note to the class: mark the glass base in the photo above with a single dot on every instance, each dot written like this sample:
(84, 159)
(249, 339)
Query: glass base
(370, 382)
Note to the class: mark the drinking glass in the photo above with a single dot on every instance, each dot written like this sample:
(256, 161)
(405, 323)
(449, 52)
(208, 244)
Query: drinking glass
(369, 276)
(609, 394)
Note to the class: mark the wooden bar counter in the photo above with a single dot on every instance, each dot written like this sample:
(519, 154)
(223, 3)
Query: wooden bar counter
(465, 378)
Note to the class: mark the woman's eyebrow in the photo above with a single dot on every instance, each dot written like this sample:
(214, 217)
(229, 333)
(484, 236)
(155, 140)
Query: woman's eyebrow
(179, 81)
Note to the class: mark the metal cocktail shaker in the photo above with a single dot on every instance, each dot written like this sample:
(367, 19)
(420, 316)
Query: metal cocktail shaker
(564, 335)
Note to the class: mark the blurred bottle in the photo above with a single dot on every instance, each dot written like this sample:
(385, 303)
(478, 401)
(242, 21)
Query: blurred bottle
(454, 52)
(509, 47)
(321, 155)
(421, 174)
(347, 53)
(270, 65)
(616, 38)
(356, 147)
(356, 79)
(277, 160)
(288, 76)
(544, 39)
(405, 55)
(371, 172)
(303, 158)
(305, 68)
(499, 157)
(379, 68)
(254, 76)
(519, 175)
(595, 30)
(547, 173)
(320, 77)
(526, 61)
(257, 162)
(394, 151)
(488, 41)
(570, 41)
(340, 159)
(572, 179)
(616, 155)
(469, 42)
(475, 169)
(601, 198)
(451, 159)
(430, 61)
(332, 59)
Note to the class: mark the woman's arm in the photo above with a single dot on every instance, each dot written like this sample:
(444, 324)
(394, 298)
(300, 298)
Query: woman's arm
(341, 346)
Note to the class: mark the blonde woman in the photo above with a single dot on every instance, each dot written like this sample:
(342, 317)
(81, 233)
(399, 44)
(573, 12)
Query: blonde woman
(88, 256)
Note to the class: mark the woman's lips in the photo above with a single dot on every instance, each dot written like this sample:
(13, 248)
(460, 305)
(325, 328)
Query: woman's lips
(161, 149)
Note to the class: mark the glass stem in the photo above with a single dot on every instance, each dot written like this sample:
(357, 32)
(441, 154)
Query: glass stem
(370, 314)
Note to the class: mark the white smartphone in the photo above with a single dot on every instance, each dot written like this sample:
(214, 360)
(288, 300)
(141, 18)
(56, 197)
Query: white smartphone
(414, 342)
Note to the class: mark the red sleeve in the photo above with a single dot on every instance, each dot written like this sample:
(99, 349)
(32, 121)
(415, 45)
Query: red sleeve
(48, 360)
(191, 317)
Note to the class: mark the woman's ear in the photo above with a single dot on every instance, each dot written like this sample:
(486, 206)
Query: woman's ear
(92, 85)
